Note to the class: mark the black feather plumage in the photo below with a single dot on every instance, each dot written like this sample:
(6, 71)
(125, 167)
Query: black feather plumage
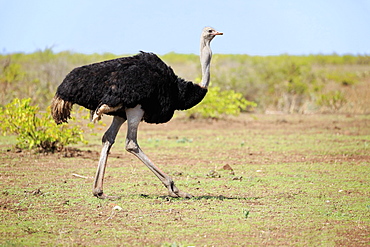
(141, 79)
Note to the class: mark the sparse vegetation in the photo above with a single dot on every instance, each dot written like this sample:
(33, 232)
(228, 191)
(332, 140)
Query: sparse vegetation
(291, 84)
(293, 172)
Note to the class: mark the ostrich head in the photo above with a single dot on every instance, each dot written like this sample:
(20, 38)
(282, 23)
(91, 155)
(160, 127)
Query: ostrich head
(208, 34)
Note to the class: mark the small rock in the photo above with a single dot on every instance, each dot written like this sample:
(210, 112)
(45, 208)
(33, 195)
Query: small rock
(117, 208)
(227, 167)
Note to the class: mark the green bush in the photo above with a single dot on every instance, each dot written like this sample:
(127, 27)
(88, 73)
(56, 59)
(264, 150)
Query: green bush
(219, 103)
(345, 79)
(333, 100)
(35, 129)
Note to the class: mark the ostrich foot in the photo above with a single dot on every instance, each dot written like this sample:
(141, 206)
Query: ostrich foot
(102, 195)
(96, 117)
(182, 194)
(104, 109)
(173, 191)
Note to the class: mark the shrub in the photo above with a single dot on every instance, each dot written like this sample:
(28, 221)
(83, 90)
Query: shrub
(36, 129)
(333, 100)
(218, 103)
(11, 77)
(345, 79)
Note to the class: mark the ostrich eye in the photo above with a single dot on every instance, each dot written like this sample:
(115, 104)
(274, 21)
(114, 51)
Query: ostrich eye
(210, 30)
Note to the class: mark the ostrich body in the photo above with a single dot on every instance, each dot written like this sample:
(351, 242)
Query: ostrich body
(133, 89)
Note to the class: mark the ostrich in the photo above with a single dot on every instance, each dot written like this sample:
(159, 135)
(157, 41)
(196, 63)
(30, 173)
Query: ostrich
(133, 89)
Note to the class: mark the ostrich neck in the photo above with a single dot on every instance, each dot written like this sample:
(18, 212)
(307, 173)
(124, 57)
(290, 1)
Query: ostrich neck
(205, 61)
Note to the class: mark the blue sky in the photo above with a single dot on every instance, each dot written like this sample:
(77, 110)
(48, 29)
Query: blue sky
(254, 27)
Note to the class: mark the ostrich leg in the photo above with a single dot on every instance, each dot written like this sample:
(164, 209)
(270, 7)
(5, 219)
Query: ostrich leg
(134, 117)
(108, 140)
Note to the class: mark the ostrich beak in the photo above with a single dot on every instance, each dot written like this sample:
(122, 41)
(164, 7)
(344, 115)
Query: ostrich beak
(218, 33)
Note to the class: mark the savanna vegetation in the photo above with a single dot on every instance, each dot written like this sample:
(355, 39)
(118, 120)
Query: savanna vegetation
(289, 84)
(297, 178)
